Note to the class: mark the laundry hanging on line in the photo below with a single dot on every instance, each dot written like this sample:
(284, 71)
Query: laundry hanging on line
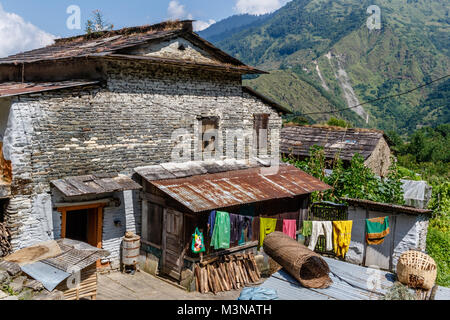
(376, 230)
(290, 228)
(267, 226)
(342, 236)
(221, 232)
(321, 228)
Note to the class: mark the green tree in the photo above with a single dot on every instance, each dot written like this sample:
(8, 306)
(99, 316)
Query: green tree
(97, 23)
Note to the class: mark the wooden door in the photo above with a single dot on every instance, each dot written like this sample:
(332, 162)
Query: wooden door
(94, 223)
(381, 255)
(172, 243)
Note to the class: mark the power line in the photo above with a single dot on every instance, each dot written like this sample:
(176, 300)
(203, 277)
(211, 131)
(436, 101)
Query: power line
(378, 99)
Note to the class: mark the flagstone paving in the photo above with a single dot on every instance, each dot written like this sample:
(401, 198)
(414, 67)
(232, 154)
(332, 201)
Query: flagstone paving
(143, 286)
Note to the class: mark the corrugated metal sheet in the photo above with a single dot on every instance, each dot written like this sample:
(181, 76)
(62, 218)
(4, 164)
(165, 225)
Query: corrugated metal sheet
(46, 274)
(212, 191)
(94, 184)
(387, 207)
(10, 89)
(52, 271)
(350, 282)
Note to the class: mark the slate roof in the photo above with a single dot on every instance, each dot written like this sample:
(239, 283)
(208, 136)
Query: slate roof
(298, 140)
(114, 44)
(94, 184)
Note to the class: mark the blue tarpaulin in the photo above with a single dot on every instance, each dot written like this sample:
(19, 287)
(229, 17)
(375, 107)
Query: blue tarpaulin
(258, 293)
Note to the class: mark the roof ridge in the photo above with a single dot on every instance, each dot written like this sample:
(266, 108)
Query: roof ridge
(182, 25)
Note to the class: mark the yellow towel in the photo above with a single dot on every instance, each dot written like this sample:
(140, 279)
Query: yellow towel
(342, 235)
(266, 226)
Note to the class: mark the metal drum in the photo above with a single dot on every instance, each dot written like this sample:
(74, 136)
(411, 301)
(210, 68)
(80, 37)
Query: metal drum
(130, 249)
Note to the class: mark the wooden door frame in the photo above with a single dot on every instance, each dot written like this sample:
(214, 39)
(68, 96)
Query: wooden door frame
(99, 207)
(164, 240)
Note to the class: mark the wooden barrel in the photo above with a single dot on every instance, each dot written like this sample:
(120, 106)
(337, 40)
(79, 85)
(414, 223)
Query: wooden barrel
(130, 250)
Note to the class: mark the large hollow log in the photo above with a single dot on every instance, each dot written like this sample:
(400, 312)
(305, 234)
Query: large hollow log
(303, 264)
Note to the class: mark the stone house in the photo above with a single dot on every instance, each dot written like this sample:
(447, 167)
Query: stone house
(77, 117)
(372, 145)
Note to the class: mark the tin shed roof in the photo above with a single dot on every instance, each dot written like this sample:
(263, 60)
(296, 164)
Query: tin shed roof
(386, 207)
(94, 184)
(208, 191)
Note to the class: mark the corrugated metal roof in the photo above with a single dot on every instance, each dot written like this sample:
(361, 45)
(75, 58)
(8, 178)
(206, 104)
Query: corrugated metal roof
(46, 274)
(9, 89)
(224, 189)
(387, 207)
(94, 184)
(350, 282)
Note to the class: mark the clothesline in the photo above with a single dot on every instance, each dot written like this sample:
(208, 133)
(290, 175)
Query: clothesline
(311, 220)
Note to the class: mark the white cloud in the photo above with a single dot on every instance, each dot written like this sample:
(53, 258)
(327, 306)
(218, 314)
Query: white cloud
(176, 10)
(17, 35)
(258, 7)
(200, 25)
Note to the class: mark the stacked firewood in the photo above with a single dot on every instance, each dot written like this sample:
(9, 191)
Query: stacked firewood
(226, 273)
(5, 245)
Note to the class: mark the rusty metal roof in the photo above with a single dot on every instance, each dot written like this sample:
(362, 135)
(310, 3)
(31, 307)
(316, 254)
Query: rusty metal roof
(9, 89)
(208, 191)
(386, 207)
(94, 184)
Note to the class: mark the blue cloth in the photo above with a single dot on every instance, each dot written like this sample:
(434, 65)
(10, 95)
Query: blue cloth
(258, 293)
(211, 221)
(234, 228)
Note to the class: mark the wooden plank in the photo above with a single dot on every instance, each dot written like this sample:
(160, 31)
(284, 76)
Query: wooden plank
(63, 223)
(84, 189)
(164, 238)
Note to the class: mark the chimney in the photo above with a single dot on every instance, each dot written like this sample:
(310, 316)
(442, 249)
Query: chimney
(187, 25)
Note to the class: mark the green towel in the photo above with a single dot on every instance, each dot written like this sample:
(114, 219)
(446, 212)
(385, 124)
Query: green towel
(307, 228)
(377, 229)
(221, 234)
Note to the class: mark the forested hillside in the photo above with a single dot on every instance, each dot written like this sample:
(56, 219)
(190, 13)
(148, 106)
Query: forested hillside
(326, 58)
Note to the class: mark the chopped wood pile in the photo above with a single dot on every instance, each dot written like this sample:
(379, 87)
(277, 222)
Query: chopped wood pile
(226, 273)
(5, 245)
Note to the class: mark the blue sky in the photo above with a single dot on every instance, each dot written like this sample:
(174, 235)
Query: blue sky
(30, 24)
(51, 16)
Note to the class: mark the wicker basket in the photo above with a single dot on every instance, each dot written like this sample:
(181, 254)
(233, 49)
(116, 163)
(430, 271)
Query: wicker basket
(417, 270)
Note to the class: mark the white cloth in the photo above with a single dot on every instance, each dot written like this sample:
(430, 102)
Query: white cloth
(321, 228)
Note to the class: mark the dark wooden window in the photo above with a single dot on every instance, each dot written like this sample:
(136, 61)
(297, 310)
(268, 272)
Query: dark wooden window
(208, 139)
(154, 223)
(260, 122)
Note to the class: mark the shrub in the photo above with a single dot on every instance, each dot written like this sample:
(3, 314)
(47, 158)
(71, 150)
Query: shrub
(438, 244)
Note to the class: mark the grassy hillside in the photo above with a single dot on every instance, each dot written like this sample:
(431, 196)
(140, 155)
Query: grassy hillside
(327, 43)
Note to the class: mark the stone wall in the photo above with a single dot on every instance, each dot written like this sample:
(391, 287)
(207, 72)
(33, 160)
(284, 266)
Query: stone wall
(127, 123)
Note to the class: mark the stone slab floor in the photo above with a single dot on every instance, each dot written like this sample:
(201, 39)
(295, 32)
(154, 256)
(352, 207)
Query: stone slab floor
(143, 286)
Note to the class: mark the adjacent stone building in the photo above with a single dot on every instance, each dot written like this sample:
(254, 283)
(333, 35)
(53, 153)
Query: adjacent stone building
(77, 117)
(372, 145)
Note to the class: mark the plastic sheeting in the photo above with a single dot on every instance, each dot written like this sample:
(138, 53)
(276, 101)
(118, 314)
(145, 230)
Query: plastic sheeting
(258, 293)
(416, 193)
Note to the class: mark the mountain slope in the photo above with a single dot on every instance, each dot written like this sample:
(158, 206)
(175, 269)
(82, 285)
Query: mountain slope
(327, 43)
